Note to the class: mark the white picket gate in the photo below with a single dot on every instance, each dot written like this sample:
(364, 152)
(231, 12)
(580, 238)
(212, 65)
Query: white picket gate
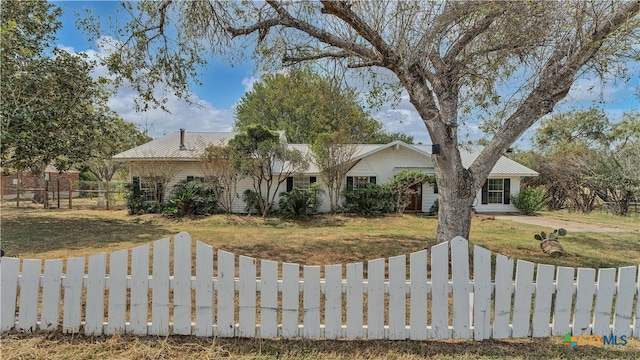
(236, 301)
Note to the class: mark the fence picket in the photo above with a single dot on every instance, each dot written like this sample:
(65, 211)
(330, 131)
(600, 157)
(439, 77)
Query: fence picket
(9, 268)
(522, 299)
(117, 284)
(247, 297)
(542, 307)
(636, 321)
(226, 294)
(290, 299)
(418, 295)
(72, 313)
(584, 302)
(29, 289)
(460, 277)
(375, 299)
(268, 299)
(624, 301)
(604, 300)
(160, 289)
(481, 293)
(51, 285)
(503, 293)
(204, 290)
(95, 295)
(139, 305)
(311, 302)
(440, 291)
(182, 263)
(397, 297)
(333, 301)
(354, 301)
(565, 289)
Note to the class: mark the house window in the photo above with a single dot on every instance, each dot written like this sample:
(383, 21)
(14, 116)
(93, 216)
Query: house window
(358, 182)
(148, 189)
(195, 178)
(300, 182)
(496, 191)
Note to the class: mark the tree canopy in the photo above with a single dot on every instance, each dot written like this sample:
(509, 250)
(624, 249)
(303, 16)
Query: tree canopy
(52, 110)
(511, 60)
(304, 104)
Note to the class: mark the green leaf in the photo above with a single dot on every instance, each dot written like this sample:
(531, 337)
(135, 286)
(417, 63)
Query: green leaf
(537, 237)
(562, 232)
(543, 235)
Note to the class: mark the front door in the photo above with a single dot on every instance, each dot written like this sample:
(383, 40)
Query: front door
(415, 204)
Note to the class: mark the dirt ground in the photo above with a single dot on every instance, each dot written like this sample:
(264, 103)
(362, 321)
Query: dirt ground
(554, 224)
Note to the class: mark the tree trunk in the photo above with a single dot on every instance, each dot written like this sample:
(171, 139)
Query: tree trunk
(456, 193)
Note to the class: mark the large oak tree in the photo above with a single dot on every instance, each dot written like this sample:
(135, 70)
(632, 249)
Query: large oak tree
(512, 60)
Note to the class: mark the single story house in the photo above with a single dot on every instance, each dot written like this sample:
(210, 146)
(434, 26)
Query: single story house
(180, 152)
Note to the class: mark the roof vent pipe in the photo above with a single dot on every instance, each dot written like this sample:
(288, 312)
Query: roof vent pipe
(182, 147)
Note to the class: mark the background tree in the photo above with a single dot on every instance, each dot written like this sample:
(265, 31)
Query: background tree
(52, 110)
(215, 164)
(509, 61)
(304, 104)
(116, 136)
(333, 153)
(259, 154)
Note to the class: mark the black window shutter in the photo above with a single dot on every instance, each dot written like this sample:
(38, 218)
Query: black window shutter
(189, 178)
(289, 183)
(485, 192)
(312, 179)
(136, 182)
(349, 182)
(507, 191)
(372, 179)
(435, 187)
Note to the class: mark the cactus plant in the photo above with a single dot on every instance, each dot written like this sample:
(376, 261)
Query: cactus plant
(550, 244)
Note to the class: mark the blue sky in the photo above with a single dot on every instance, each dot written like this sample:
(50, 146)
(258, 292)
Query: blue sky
(224, 85)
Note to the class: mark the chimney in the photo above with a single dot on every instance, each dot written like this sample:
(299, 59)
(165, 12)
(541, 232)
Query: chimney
(182, 147)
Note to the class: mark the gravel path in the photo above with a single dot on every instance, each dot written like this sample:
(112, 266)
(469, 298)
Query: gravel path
(554, 224)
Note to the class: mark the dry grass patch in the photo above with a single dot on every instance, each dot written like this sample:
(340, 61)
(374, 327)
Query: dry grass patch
(59, 346)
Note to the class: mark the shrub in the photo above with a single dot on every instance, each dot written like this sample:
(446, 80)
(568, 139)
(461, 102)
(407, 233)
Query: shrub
(530, 200)
(136, 200)
(402, 184)
(434, 208)
(252, 204)
(298, 203)
(370, 199)
(190, 198)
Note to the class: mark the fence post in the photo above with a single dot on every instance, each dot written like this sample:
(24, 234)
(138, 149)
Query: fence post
(107, 189)
(18, 191)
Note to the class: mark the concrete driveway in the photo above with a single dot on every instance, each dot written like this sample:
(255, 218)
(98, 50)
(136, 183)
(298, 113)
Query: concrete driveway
(555, 224)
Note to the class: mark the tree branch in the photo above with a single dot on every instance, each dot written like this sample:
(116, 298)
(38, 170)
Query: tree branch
(342, 10)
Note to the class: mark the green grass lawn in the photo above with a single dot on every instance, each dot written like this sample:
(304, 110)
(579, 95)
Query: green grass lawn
(322, 240)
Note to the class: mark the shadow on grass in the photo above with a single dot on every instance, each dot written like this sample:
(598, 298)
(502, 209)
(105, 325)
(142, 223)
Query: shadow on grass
(42, 233)
(338, 251)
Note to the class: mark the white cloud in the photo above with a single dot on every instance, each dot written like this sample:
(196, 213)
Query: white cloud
(199, 115)
(248, 83)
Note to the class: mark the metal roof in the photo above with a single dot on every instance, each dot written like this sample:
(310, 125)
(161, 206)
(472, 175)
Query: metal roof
(168, 148)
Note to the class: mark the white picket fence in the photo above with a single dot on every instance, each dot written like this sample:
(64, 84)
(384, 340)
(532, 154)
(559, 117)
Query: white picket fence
(321, 304)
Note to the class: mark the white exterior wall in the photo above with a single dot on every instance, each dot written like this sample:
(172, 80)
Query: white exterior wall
(383, 165)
